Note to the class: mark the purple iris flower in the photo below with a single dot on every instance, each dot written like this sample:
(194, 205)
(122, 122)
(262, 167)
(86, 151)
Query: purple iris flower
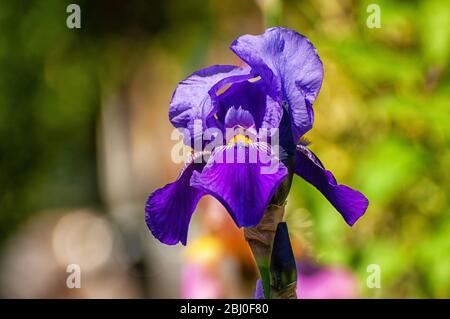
(276, 90)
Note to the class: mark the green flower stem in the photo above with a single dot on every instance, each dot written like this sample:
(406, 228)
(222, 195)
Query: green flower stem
(260, 239)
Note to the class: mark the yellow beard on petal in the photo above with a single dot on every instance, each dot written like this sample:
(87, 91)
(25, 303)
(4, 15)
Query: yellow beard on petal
(240, 138)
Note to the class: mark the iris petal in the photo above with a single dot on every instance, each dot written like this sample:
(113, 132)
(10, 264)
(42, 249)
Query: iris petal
(288, 62)
(239, 117)
(191, 100)
(254, 97)
(169, 209)
(241, 185)
(350, 203)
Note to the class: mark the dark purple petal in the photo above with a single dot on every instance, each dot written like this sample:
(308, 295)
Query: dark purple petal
(223, 85)
(191, 100)
(241, 184)
(349, 202)
(239, 117)
(254, 97)
(289, 62)
(169, 209)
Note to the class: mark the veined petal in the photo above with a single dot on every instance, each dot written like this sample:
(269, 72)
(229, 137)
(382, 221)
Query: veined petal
(239, 117)
(350, 203)
(169, 209)
(288, 61)
(236, 177)
(253, 96)
(191, 100)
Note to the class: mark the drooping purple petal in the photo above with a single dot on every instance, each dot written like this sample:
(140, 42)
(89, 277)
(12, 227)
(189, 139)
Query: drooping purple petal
(287, 60)
(191, 100)
(241, 180)
(350, 203)
(169, 209)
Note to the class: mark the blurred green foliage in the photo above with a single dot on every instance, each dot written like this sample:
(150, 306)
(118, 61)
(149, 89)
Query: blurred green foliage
(382, 126)
(382, 117)
(52, 83)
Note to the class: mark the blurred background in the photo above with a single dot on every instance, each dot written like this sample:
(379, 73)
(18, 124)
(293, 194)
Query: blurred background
(85, 137)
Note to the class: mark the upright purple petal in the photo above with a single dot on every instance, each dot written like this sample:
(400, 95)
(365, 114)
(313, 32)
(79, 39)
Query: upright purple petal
(239, 182)
(350, 203)
(288, 61)
(254, 96)
(169, 209)
(239, 117)
(191, 100)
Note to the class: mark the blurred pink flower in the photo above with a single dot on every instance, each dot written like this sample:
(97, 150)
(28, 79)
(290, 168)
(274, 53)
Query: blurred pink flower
(318, 282)
(197, 281)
